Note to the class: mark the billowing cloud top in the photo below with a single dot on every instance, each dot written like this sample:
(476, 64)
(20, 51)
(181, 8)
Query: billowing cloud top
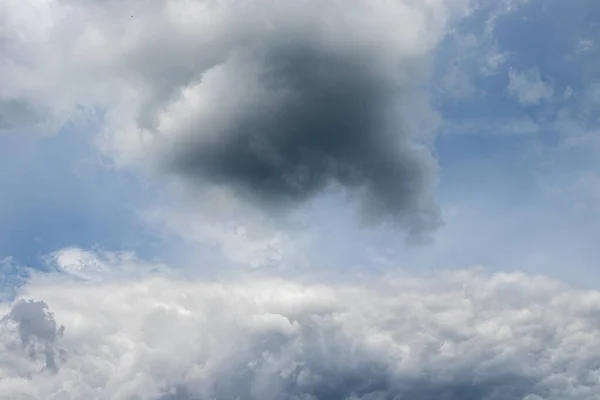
(455, 336)
(273, 100)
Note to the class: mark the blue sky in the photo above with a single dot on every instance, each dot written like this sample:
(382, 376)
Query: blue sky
(503, 95)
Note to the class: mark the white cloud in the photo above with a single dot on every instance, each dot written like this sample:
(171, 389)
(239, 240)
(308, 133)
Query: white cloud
(528, 86)
(476, 50)
(99, 265)
(100, 55)
(212, 219)
(462, 335)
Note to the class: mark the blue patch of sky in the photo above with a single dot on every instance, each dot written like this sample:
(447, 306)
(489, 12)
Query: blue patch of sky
(503, 175)
(12, 276)
(56, 193)
(539, 34)
(548, 32)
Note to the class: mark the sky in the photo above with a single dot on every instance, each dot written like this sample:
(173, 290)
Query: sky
(316, 199)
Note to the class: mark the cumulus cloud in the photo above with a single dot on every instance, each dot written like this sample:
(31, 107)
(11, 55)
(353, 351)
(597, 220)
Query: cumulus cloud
(273, 100)
(528, 87)
(462, 335)
(296, 114)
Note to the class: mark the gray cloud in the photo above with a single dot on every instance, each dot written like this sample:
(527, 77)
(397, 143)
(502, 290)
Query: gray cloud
(276, 102)
(37, 330)
(463, 335)
(311, 116)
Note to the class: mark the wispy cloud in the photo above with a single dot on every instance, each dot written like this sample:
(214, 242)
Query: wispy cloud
(528, 87)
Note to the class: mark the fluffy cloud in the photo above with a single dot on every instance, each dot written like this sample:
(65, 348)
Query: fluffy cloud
(462, 335)
(293, 113)
(273, 100)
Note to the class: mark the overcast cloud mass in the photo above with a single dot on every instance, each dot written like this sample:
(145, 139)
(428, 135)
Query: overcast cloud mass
(210, 200)
(463, 335)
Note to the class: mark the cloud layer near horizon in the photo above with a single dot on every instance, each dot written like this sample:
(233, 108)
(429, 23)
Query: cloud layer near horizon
(275, 101)
(463, 335)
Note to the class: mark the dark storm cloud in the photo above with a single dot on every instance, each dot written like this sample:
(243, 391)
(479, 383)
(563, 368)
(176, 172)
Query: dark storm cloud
(315, 117)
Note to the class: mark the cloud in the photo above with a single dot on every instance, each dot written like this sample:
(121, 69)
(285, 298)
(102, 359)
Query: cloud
(470, 53)
(275, 101)
(528, 86)
(293, 117)
(463, 335)
(94, 266)
(37, 330)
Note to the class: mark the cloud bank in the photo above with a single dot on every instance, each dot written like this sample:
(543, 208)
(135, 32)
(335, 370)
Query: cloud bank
(275, 101)
(463, 335)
